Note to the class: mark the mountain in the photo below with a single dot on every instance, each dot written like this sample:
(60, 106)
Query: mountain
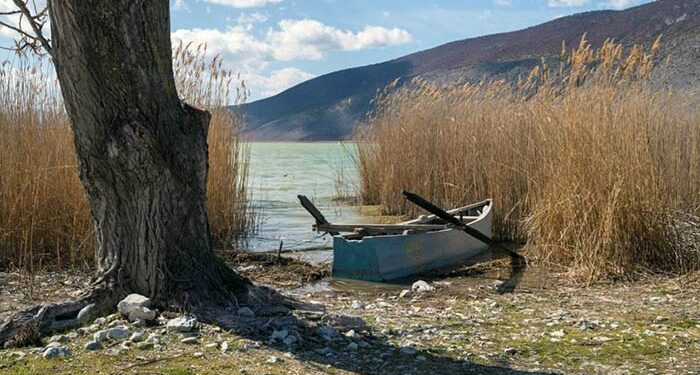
(328, 107)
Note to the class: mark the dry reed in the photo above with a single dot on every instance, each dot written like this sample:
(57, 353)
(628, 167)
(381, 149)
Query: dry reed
(44, 219)
(585, 163)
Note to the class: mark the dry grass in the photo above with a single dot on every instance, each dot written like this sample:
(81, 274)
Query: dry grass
(44, 219)
(584, 162)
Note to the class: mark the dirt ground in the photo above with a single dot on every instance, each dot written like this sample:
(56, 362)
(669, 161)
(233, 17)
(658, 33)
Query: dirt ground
(465, 325)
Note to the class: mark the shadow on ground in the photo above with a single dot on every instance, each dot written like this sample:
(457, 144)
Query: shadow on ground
(320, 341)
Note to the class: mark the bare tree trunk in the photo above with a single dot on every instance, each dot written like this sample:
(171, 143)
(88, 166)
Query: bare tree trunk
(142, 156)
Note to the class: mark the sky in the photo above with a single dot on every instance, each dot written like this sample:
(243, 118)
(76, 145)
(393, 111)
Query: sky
(276, 44)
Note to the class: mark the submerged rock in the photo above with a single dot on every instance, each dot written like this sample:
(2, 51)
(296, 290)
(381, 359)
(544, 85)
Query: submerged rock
(408, 351)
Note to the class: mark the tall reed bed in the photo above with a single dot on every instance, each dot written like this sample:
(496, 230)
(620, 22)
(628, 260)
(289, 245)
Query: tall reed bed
(586, 164)
(44, 218)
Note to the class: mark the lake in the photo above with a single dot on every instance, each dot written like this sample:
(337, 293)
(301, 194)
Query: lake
(281, 171)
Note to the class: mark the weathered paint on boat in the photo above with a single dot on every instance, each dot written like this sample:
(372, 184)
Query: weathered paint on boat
(390, 257)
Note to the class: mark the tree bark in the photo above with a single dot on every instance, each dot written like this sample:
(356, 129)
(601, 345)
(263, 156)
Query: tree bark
(142, 152)
(142, 157)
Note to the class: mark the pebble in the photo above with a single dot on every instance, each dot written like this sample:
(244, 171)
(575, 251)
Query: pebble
(323, 351)
(100, 321)
(279, 335)
(511, 351)
(52, 352)
(357, 305)
(118, 332)
(59, 338)
(189, 340)
(145, 345)
(101, 335)
(290, 340)
(352, 346)
(421, 358)
(351, 334)
(181, 324)
(198, 354)
(272, 359)
(421, 286)
(405, 293)
(408, 351)
(137, 337)
(558, 333)
(328, 333)
(224, 346)
(93, 345)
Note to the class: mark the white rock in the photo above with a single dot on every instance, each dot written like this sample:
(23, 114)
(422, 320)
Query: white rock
(224, 346)
(357, 305)
(56, 352)
(59, 338)
(189, 340)
(100, 321)
(558, 333)
(246, 311)
(272, 359)
(181, 324)
(351, 334)
(131, 302)
(141, 313)
(421, 286)
(405, 293)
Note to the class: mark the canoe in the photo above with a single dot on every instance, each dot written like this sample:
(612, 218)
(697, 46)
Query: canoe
(388, 252)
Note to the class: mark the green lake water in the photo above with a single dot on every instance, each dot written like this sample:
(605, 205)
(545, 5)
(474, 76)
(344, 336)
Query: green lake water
(281, 171)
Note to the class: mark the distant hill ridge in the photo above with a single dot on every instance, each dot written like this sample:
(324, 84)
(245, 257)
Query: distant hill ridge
(328, 107)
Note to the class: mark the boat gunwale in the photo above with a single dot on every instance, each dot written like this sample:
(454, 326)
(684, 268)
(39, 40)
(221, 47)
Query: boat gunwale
(485, 203)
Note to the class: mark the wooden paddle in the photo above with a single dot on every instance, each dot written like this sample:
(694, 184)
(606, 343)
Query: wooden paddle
(442, 214)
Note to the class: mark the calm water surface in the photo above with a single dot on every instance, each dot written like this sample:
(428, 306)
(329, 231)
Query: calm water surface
(281, 171)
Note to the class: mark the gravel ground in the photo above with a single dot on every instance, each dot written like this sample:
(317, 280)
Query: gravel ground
(458, 324)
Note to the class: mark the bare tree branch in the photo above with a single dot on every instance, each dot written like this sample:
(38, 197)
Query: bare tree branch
(35, 41)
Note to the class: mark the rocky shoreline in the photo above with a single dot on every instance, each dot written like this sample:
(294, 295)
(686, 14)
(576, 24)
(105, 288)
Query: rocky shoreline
(453, 325)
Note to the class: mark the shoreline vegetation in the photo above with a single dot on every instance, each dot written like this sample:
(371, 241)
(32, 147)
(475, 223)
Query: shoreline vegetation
(595, 172)
(44, 217)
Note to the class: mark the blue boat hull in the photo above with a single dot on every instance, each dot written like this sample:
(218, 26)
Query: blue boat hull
(390, 257)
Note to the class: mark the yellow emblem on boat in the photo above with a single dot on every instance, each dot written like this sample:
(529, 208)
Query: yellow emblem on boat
(415, 250)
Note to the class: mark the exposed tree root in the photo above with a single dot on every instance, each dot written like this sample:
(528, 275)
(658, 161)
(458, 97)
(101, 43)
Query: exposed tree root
(26, 327)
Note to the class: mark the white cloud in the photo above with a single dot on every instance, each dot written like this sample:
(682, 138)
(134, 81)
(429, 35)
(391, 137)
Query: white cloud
(243, 3)
(180, 5)
(251, 18)
(503, 3)
(306, 39)
(311, 39)
(567, 3)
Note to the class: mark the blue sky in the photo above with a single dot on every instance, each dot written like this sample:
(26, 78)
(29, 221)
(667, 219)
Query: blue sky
(275, 44)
